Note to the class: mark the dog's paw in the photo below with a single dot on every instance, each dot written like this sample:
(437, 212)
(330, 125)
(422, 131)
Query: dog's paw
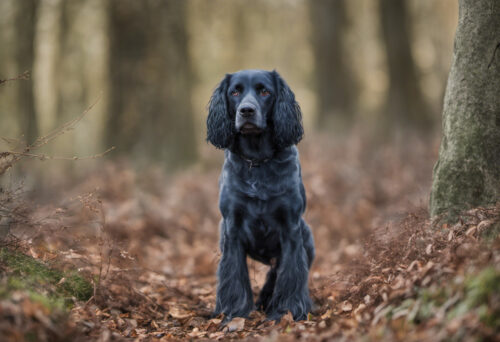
(288, 314)
(275, 317)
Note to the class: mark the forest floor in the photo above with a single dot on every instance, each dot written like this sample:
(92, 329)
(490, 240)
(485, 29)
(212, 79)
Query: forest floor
(125, 255)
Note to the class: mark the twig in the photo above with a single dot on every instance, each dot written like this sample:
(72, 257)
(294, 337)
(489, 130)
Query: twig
(24, 76)
(44, 157)
(145, 296)
(60, 130)
(9, 158)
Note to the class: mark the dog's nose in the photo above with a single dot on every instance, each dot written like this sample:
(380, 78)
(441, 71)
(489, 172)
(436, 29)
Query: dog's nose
(247, 111)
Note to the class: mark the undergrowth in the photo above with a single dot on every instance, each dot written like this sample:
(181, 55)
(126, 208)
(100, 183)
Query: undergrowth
(44, 283)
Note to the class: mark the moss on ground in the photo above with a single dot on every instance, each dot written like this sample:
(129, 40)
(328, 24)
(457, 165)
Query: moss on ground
(43, 283)
(482, 291)
(479, 293)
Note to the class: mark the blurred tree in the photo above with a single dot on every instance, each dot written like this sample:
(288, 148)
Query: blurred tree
(70, 72)
(405, 105)
(335, 83)
(467, 172)
(25, 26)
(150, 115)
(18, 31)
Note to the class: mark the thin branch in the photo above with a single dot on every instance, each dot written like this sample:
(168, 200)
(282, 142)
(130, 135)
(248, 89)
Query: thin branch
(9, 158)
(61, 130)
(45, 157)
(24, 76)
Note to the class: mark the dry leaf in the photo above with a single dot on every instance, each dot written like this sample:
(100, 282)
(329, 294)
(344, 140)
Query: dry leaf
(346, 306)
(236, 324)
(179, 313)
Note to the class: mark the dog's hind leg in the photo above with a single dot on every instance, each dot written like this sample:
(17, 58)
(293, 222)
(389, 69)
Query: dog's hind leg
(267, 290)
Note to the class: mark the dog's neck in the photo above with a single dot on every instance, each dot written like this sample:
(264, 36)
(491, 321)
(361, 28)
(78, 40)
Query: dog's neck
(256, 149)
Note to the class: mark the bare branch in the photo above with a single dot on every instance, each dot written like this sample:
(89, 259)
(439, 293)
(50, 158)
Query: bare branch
(45, 157)
(43, 140)
(9, 158)
(24, 76)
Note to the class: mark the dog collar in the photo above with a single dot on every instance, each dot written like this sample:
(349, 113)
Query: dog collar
(255, 162)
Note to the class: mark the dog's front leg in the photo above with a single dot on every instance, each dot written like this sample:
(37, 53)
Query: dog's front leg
(291, 292)
(234, 295)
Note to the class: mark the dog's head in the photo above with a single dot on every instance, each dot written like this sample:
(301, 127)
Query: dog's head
(250, 102)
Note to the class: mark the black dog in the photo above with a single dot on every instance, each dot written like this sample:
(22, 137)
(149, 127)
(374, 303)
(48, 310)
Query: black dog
(253, 115)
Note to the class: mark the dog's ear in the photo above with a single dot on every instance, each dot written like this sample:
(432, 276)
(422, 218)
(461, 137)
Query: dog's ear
(220, 128)
(287, 117)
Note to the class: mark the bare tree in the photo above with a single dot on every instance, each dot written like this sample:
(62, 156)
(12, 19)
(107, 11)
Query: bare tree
(16, 57)
(405, 105)
(467, 172)
(150, 112)
(335, 83)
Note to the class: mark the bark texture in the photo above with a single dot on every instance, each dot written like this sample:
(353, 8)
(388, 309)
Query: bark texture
(467, 173)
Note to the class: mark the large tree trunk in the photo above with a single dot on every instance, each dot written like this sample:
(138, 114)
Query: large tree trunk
(467, 172)
(335, 83)
(150, 112)
(405, 105)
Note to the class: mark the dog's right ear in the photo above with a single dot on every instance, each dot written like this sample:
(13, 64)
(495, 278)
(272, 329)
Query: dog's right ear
(220, 128)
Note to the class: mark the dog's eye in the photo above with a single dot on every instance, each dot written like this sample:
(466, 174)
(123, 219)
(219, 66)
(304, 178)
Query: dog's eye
(264, 92)
(235, 93)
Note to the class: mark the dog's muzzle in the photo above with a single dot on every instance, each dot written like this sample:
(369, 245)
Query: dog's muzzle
(248, 118)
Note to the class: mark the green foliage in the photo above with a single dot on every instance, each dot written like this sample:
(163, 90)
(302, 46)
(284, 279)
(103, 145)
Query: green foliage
(482, 287)
(479, 293)
(482, 291)
(51, 287)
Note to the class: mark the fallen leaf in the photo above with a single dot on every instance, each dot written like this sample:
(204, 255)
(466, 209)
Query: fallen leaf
(178, 313)
(236, 324)
(346, 306)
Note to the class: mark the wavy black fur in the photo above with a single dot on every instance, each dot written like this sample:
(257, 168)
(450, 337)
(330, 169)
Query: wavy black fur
(262, 198)
(220, 129)
(287, 115)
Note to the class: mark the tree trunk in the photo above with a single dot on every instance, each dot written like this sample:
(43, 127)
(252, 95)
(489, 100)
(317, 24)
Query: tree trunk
(335, 83)
(70, 73)
(25, 19)
(467, 173)
(405, 106)
(17, 108)
(150, 112)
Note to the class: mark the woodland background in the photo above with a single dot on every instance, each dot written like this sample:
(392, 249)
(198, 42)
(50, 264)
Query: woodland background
(123, 245)
(151, 66)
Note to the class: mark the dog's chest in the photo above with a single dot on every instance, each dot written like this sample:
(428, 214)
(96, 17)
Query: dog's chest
(261, 184)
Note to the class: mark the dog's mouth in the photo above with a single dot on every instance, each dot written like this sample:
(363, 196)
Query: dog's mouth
(250, 128)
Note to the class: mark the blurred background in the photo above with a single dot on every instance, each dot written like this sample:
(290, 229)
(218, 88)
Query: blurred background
(152, 66)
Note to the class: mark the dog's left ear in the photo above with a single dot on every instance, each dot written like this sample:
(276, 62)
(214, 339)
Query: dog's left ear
(287, 117)
(220, 129)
